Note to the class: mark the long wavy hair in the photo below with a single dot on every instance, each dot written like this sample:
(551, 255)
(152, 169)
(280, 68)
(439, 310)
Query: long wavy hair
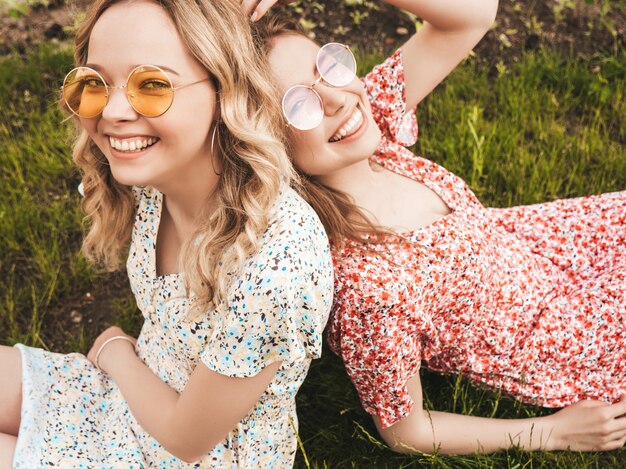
(341, 217)
(250, 140)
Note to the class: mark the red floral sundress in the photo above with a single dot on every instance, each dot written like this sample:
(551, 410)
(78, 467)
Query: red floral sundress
(530, 300)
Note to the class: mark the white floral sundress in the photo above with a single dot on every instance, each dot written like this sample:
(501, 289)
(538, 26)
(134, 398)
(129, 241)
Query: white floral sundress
(74, 416)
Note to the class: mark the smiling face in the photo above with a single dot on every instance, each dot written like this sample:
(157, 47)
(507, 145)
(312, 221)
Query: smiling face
(171, 151)
(347, 134)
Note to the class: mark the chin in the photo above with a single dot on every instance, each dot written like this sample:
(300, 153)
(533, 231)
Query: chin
(370, 143)
(130, 178)
(376, 137)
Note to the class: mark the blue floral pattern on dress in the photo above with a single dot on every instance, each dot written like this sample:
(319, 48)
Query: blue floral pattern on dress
(74, 416)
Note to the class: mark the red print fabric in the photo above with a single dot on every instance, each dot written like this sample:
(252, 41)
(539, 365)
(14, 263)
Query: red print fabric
(530, 299)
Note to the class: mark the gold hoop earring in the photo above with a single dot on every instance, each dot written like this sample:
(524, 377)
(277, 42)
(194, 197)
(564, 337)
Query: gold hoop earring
(212, 149)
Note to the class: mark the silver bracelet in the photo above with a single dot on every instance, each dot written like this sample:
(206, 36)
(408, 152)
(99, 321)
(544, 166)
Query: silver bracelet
(107, 342)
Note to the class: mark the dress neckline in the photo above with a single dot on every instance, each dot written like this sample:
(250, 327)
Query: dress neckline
(157, 198)
(417, 175)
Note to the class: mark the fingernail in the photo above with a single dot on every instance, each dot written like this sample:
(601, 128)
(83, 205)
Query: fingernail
(254, 17)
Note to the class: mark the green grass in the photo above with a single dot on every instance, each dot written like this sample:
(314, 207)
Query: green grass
(39, 215)
(548, 127)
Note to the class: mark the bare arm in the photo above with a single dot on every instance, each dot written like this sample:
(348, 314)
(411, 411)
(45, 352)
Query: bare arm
(584, 426)
(190, 424)
(451, 29)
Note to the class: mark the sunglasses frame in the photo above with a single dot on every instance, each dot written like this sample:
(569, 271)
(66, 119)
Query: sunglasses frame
(110, 88)
(311, 87)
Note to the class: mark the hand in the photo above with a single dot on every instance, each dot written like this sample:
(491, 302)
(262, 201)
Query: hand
(590, 426)
(258, 8)
(113, 349)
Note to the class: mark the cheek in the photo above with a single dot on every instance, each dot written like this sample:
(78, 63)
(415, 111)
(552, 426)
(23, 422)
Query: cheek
(189, 122)
(308, 150)
(301, 161)
(312, 109)
(198, 104)
(91, 126)
(200, 112)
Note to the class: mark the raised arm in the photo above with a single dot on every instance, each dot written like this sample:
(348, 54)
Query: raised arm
(451, 29)
(584, 426)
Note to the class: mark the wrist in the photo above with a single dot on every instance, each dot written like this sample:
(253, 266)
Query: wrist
(544, 437)
(530, 434)
(112, 351)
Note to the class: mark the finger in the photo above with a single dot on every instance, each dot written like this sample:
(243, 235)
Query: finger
(591, 403)
(617, 435)
(261, 9)
(611, 445)
(619, 408)
(248, 5)
(618, 424)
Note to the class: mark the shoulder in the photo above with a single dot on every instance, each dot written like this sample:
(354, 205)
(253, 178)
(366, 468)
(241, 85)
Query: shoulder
(292, 220)
(288, 282)
(378, 78)
(278, 304)
(385, 86)
(294, 250)
(290, 208)
(379, 271)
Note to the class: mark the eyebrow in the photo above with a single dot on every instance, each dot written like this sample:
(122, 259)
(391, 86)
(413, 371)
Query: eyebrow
(98, 68)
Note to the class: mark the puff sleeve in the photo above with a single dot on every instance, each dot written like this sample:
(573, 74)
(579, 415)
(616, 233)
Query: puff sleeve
(378, 328)
(385, 88)
(279, 305)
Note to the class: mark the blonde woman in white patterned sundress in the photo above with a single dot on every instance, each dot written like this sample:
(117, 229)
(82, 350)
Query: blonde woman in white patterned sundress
(182, 157)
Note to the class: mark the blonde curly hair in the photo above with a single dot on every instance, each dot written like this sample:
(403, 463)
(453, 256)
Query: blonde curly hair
(254, 163)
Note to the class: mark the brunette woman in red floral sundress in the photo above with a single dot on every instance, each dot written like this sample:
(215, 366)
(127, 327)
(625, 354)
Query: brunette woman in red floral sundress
(529, 300)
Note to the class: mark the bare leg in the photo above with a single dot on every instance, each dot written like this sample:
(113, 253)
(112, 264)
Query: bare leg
(7, 449)
(10, 393)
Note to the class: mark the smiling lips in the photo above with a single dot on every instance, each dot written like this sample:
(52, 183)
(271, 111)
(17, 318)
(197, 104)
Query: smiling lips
(350, 127)
(132, 144)
(138, 144)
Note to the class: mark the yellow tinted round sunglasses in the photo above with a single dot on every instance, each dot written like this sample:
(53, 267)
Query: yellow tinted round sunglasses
(148, 89)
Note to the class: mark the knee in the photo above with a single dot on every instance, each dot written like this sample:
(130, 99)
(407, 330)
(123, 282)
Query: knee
(10, 390)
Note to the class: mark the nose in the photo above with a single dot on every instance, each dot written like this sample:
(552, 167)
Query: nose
(118, 108)
(334, 99)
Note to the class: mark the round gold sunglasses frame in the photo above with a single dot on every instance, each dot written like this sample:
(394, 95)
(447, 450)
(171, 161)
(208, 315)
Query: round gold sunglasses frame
(311, 88)
(130, 95)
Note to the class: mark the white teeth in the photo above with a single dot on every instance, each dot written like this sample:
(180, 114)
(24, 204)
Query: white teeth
(133, 144)
(349, 127)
